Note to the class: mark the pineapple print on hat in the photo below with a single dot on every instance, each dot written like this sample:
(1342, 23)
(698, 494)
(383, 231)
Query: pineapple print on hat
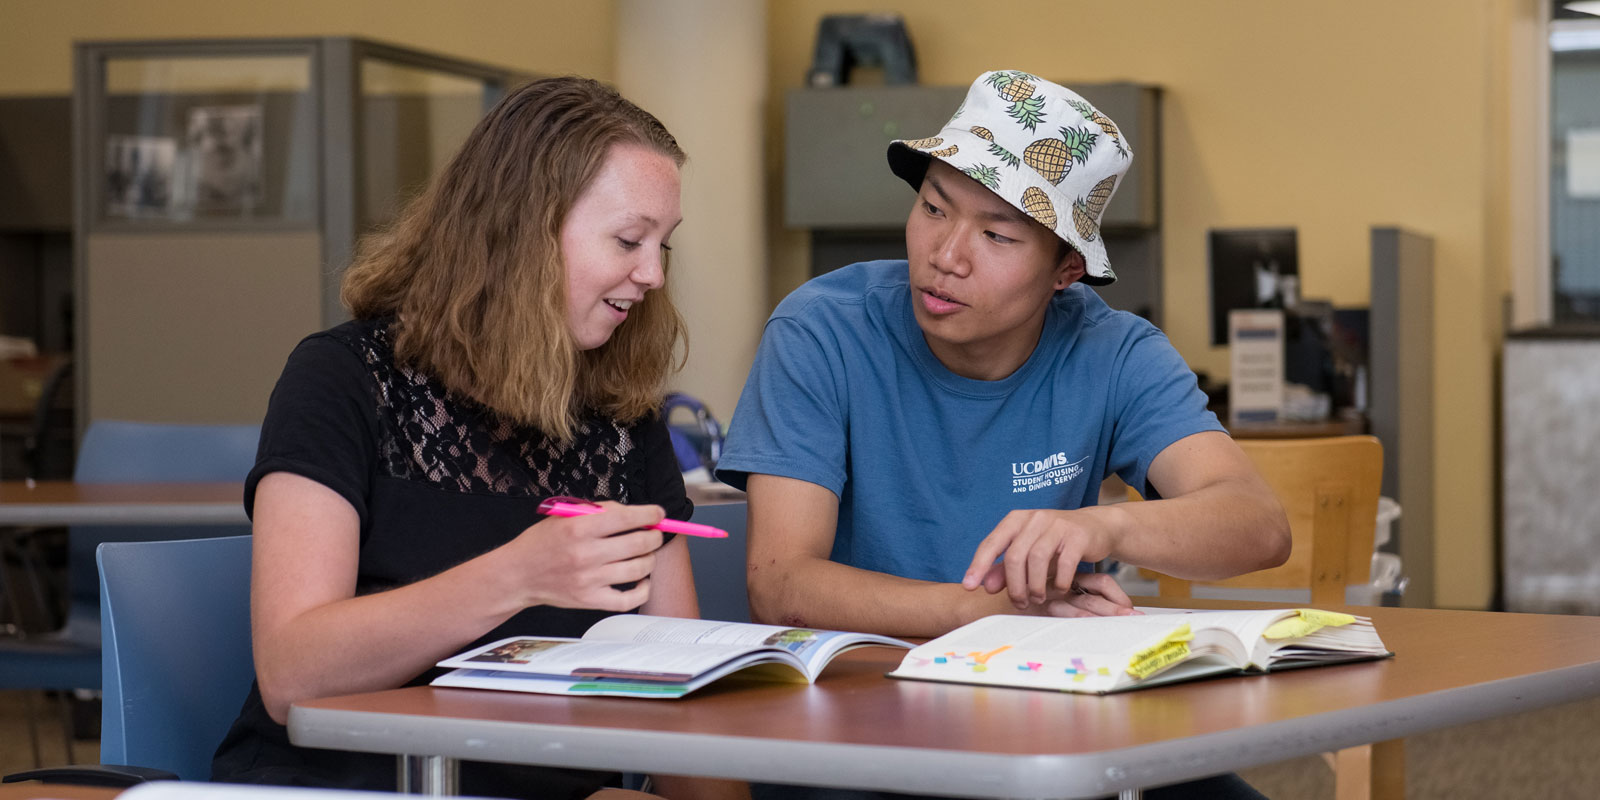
(1017, 88)
(1086, 211)
(1053, 158)
(1093, 115)
(1075, 156)
(986, 175)
(1037, 205)
(995, 149)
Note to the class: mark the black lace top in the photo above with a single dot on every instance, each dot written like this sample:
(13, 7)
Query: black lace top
(436, 480)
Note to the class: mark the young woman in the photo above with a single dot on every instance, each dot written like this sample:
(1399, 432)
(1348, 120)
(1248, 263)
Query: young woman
(508, 345)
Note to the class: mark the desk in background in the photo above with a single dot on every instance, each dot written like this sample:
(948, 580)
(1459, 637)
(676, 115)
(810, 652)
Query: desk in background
(50, 503)
(856, 728)
(1287, 429)
(68, 503)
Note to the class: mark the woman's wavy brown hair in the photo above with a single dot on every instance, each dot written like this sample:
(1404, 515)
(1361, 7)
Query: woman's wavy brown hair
(472, 269)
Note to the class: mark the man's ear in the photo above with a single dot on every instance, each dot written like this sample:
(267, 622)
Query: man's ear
(1071, 269)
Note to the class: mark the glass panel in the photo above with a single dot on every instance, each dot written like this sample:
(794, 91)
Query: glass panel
(209, 138)
(1575, 169)
(413, 120)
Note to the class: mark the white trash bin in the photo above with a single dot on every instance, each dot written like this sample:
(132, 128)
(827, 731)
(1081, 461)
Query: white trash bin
(1387, 580)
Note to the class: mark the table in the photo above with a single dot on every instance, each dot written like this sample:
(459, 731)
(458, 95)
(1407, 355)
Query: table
(856, 728)
(51, 503)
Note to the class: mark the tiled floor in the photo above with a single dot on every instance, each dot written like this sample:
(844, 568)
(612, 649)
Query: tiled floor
(1547, 754)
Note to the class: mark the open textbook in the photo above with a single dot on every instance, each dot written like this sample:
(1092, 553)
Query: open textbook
(635, 655)
(1111, 654)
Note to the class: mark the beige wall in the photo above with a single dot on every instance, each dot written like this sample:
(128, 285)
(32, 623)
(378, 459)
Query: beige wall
(542, 36)
(1331, 119)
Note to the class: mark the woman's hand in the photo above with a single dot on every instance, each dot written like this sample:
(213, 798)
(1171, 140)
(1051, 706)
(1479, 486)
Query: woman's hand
(577, 562)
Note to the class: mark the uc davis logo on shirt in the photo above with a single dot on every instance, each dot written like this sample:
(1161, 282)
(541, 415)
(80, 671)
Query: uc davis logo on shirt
(1052, 470)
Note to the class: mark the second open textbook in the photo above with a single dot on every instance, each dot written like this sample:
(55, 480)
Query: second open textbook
(1110, 654)
(635, 655)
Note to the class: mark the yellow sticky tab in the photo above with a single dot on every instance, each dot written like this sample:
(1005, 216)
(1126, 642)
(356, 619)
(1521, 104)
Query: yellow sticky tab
(1174, 647)
(1306, 622)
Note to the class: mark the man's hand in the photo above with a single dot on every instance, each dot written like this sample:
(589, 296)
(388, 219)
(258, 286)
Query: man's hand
(1040, 551)
(1092, 594)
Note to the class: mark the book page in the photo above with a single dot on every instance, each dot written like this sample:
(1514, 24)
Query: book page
(813, 648)
(1316, 635)
(1081, 654)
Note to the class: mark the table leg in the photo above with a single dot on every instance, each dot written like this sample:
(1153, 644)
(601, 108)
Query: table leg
(436, 776)
(1371, 772)
(1129, 794)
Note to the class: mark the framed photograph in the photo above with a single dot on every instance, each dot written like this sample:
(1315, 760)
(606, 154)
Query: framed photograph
(139, 175)
(222, 151)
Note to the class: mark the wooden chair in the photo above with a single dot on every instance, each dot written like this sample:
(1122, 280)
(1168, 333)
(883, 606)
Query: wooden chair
(1329, 489)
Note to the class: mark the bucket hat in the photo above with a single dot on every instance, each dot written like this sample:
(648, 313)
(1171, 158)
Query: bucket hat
(1041, 148)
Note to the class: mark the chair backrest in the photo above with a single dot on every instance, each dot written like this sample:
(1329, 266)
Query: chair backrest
(116, 451)
(719, 569)
(175, 650)
(697, 443)
(1329, 489)
(120, 451)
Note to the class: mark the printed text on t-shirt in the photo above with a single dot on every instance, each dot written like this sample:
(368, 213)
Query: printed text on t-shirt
(1052, 470)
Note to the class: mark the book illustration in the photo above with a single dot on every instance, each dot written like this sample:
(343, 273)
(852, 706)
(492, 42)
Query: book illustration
(793, 639)
(520, 651)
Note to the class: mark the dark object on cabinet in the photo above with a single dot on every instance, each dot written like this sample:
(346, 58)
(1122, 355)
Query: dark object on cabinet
(845, 41)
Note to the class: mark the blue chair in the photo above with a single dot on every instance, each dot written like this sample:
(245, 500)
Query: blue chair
(115, 451)
(719, 569)
(176, 650)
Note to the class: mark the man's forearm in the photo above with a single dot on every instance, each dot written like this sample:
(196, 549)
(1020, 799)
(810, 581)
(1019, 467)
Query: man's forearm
(817, 593)
(1226, 529)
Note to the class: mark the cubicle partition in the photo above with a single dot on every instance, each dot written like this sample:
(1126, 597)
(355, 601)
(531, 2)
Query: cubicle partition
(221, 186)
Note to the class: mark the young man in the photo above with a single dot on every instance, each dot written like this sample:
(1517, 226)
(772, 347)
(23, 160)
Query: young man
(907, 423)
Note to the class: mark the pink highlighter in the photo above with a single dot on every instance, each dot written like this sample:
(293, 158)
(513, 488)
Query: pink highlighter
(575, 507)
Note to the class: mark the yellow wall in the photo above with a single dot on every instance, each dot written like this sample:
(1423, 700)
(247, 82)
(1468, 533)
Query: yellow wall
(547, 37)
(1331, 118)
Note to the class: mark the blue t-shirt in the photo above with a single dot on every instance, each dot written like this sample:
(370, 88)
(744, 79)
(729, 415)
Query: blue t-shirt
(845, 394)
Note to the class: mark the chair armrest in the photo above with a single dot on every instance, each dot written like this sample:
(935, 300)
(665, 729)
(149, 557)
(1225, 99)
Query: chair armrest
(93, 775)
